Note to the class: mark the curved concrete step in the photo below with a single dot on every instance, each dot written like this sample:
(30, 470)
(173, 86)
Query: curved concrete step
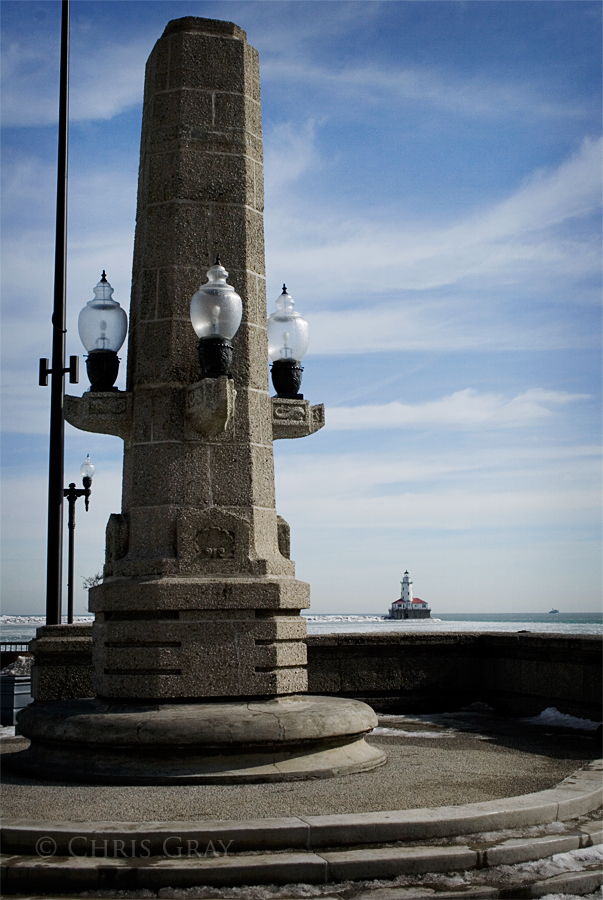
(72, 857)
(184, 869)
(577, 795)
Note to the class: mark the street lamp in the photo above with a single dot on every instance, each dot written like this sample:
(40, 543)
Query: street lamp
(216, 313)
(287, 346)
(72, 493)
(102, 325)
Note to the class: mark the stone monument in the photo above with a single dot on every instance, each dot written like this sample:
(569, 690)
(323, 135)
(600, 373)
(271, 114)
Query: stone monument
(198, 642)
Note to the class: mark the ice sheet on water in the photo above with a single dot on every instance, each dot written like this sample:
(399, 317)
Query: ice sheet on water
(552, 716)
(37, 620)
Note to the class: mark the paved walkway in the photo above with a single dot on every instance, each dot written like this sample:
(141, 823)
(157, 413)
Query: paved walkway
(440, 760)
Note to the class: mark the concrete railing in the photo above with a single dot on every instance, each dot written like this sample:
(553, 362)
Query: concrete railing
(515, 672)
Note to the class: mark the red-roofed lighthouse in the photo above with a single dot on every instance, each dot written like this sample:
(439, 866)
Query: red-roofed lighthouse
(408, 607)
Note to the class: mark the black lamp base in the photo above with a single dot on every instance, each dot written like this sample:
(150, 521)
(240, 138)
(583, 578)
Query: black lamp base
(215, 357)
(287, 378)
(102, 367)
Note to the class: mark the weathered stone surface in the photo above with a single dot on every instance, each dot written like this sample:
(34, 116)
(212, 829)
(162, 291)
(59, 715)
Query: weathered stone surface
(161, 657)
(104, 413)
(62, 662)
(198, 528)
(263, 740)
(210, 405)
(440, 688)
(403, 672)
(295, 418)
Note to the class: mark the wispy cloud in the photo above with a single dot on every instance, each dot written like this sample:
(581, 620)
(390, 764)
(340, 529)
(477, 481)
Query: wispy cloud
(443, 90)
(464, 408)
(446, 490)
(104, 81)
(512, 239)
(437, 286)
(289, 153)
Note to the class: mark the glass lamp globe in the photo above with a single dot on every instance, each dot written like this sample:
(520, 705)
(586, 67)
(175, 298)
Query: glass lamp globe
(287, 331)
(102, 323)
(87, 468)
(216, 308)
(287, 345)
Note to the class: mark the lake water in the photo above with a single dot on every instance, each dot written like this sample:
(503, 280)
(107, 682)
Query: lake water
(23, 628)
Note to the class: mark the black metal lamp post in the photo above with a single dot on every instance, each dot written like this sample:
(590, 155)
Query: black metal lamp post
(216, 313)
(58, 370)
(72, 493)
(102, 325)
(287, 345)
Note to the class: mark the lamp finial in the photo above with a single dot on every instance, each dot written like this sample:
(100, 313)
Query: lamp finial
(104, 277)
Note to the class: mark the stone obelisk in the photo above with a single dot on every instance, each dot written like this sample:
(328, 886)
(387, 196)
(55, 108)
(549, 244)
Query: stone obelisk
(194, 558)
(199, 601)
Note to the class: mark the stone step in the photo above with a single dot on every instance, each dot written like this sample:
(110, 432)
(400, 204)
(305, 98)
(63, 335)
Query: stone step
(185, 866)
(577, 795)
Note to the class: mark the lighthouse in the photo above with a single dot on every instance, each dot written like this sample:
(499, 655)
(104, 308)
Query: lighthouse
(406, 593)
(408, 607)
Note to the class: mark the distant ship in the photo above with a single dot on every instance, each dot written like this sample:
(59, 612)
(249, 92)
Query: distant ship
(553, 611)
(408, 607)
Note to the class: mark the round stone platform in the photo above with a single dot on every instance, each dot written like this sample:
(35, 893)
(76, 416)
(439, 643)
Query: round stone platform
(281, 739)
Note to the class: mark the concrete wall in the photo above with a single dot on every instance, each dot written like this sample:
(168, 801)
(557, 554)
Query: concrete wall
(517, 673)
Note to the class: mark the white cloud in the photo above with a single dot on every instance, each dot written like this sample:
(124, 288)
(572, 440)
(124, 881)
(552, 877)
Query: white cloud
(289, 152)
(467, 407)
(508, 241)
(105, 79)
(444, 490)
(442, 90)
(436, 287)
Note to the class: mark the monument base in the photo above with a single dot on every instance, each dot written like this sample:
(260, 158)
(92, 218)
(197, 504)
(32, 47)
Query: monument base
(282, 739)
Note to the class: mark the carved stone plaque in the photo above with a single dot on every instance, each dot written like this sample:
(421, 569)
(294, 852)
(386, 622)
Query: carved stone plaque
(215, 543)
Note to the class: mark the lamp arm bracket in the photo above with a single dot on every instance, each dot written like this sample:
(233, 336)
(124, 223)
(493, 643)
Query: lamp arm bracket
(295, 418)
(103, 413)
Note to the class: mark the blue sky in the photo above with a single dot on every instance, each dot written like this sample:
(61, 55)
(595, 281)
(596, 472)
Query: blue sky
(433, 201)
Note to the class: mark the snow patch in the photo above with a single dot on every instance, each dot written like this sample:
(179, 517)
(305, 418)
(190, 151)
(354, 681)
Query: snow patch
(20, 666)
(399, 732)
(552, 716)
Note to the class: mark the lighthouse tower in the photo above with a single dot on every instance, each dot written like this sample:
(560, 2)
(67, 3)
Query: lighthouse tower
(406, 594)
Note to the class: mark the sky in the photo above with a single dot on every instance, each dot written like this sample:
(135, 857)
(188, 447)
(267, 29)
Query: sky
(433, 202)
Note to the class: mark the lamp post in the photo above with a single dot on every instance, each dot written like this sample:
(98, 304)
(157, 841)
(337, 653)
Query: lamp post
(71, 494)
(58, 370)
(287, 345)
(216, 313)
(102, 325)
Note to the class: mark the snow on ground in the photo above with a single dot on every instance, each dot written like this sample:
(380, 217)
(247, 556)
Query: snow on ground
(400, 732)
(552, 716)
(21, 666)
(500, 876)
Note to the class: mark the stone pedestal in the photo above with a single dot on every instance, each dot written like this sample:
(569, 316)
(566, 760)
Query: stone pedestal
(283, 739)
(199, 600)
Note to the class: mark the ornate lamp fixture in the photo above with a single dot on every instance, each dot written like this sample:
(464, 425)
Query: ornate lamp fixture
(216, 313)
(287, 345)
(102, 325)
